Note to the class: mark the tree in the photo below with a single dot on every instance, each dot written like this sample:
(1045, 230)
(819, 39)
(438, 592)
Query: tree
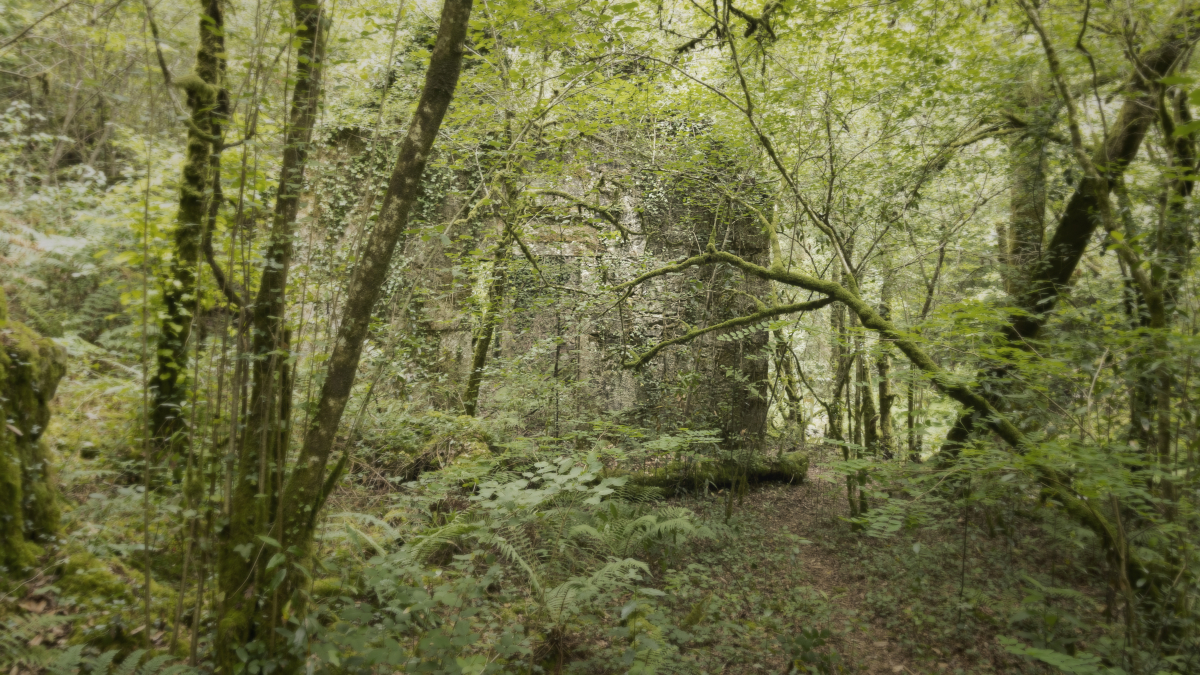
(246, 616)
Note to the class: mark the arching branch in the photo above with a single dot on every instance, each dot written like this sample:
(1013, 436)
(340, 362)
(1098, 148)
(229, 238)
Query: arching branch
(748, 320)
(958, 389)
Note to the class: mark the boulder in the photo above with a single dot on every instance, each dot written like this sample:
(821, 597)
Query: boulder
(30, 369)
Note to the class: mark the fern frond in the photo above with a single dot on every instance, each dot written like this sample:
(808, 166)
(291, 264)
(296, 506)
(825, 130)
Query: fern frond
(564, 599)
(617, 572)
(100, 664)
(130, 664)
(580, 531)
(518, 550)
(426, 544)
(155, 664)
(15, 634)
(67, 662)
(638, 494)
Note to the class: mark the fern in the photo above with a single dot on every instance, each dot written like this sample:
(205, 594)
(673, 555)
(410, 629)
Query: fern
(101, 663)
(638, 494)
(568, 598)
(427, 544)
(67, 662)
(130, 664)
(154, 665)
(72, 661)
(621, 529)
(15, 635)
(517, 548)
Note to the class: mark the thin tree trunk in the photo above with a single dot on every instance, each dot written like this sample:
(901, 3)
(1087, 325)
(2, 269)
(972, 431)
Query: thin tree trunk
(883, 365)
(489, 322)
(249, 511)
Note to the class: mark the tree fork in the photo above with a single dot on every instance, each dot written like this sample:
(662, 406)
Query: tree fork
(268, 335)
(305, 491)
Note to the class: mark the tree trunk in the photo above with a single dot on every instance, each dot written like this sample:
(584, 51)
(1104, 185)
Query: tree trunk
(745, 393)
(488, 322)
(870, 414)
(309, 485)
(887, 442)
(1027, 190)
(250, 512)
(1053, 270)
(179, 292)
(786, 373)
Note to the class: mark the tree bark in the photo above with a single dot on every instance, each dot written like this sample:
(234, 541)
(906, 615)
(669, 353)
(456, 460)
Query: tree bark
(179, 292)
(1027, 194)
(309, 486)
(488, 322)
(883, 365)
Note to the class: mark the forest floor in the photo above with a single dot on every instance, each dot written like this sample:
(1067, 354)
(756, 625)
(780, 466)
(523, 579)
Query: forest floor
(813, 511)
(784, 566)
(924, 602)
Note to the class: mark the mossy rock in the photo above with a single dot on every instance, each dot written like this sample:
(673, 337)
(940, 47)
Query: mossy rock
(30, 369)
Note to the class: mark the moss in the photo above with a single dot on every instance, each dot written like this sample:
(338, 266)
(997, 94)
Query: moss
(110, 596)
(30, 369)
(85, 579)
(790, 467)
(793, 466)
(329, 587)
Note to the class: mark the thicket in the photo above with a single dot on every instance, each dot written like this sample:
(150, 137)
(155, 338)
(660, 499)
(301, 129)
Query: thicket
(486, 337)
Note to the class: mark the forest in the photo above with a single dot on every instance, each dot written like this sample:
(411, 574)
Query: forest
(599, 336)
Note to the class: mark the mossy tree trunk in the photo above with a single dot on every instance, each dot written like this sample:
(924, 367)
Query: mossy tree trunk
(170, 384)
(254, 605)
(883, 367)
(258, 479)
(489, 322)
(887, 437)
(1021, 245)
(30, 369)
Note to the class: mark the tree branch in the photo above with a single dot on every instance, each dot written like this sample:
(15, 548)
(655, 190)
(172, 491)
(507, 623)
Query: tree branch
(47, 15)
(749, 319)
(604, 213)
(956, 389)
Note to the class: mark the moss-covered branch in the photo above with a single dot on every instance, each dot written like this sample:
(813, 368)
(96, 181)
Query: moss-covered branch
(748, 320)
(951, 386)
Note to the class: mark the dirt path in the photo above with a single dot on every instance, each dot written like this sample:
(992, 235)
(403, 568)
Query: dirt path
(812, 511)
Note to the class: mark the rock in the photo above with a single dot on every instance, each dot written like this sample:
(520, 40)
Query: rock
(30, 369)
